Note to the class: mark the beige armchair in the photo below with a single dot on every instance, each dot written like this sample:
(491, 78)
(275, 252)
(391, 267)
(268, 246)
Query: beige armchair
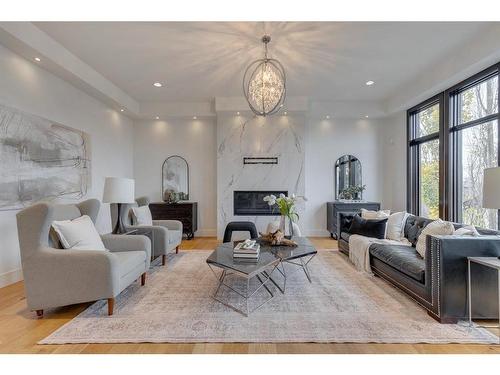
(167, 234)
(57, 277)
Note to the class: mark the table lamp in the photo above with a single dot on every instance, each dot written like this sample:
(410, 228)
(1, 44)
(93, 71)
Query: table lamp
(491, 188)
(119, 191)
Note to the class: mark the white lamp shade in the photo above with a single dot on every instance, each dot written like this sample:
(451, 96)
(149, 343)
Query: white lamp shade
(491, 188)
(118, 190)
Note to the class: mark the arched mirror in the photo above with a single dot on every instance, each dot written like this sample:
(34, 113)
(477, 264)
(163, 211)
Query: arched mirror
(348, 181)
(175, 179)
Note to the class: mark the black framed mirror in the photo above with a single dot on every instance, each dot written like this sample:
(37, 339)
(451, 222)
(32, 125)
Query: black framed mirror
(348, 178)
(175, 179)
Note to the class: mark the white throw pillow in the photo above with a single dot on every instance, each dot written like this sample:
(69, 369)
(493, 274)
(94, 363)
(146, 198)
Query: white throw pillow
(142, 216)
(78, 234)
(438, 228)
(395, 226)
(374, 215)
(468, 230)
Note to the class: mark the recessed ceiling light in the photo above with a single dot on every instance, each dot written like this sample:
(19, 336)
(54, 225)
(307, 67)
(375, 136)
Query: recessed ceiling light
(285, 113)
(121, 110)
(157, 84)
(328, 117)
(157, 117)
(369, 83)
(194, 117)
(366, 116)
(37, 59)
(237, 113)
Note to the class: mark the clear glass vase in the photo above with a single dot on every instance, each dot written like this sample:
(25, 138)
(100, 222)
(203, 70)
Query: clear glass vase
(286, 226)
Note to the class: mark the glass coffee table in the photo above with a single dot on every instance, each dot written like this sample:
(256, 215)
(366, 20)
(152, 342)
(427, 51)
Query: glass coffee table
(271, 259)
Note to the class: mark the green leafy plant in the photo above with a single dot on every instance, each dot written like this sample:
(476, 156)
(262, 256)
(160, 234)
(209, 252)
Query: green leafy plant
(352, 192)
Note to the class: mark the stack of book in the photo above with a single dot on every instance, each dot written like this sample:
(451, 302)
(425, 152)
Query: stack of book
(247, 251)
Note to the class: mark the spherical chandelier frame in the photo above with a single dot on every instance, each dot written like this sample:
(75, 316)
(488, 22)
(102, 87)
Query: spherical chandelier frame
(256, 67)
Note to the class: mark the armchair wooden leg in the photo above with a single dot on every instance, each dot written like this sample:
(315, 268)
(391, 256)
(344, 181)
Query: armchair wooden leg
(163, 259)
(143, 279)
(177, 250)
(39, 313)
(111, 306)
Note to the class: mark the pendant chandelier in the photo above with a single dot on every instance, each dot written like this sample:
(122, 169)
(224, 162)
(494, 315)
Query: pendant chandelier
(264, 84)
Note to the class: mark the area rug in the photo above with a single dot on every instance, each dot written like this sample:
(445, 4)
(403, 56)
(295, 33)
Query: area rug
(340, 305)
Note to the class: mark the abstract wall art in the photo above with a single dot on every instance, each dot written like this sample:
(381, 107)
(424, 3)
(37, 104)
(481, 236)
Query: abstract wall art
(40, 160)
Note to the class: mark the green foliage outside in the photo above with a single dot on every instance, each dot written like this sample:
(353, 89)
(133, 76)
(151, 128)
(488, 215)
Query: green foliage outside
(430, 190)
(429, 164)
(478, 147)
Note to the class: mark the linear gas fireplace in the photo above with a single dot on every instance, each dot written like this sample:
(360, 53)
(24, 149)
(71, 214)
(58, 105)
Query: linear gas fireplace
(250, 203)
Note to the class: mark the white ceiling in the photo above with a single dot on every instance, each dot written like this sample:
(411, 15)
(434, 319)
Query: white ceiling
(202, 60)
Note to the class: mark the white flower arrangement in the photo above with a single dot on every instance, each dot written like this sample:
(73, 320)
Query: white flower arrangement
(285, 204)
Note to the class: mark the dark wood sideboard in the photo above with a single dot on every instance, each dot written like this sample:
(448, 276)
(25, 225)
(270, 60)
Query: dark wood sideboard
(185, 212)
(333, 209)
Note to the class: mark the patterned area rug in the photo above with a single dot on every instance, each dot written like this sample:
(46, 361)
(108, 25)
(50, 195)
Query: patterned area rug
(340, 305)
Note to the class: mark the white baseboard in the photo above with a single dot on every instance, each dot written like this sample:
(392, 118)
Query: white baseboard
(316, 233)
(206, 233)
(11, 277)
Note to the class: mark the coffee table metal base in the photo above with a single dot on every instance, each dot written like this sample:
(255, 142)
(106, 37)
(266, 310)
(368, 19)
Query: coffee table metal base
(300, 263)
(263, 278)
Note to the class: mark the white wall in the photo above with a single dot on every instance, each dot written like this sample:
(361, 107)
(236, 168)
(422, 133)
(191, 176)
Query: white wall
(326, 141)
(25, 86)
(194, 140)
(394, 161)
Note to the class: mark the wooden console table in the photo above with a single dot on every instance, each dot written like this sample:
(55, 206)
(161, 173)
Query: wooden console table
(185, 212)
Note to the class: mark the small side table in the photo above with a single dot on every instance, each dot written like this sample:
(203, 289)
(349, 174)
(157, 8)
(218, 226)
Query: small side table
(144, 232)
(491, 262)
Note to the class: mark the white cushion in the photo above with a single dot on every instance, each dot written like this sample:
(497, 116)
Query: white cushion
(438, 228)
(395, 226)
(142, 216)
(374, 215)
(273, 226)
(78, 234)
(468, 230)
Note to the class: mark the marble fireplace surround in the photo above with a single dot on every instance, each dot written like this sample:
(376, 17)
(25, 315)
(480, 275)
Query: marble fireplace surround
(246, 135)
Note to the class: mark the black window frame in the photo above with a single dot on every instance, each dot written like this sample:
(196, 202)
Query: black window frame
(452, 129)
(413, 151)
(449, 150)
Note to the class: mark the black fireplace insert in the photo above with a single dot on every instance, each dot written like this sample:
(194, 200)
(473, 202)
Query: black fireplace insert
(249, 203)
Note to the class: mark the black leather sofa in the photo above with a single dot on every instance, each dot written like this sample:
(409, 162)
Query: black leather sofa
(438, 283)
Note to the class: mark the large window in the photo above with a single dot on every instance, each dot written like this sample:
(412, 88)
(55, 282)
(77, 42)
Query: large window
(474, 142)
(452, 138)
(423, 128)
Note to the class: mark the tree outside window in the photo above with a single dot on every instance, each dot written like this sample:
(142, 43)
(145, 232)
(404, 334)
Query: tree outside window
(478, 150)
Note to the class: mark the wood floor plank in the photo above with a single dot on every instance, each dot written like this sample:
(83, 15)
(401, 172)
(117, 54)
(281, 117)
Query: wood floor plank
(20, 330)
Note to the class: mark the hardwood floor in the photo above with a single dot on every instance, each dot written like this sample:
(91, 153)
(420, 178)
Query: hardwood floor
(20, 330)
